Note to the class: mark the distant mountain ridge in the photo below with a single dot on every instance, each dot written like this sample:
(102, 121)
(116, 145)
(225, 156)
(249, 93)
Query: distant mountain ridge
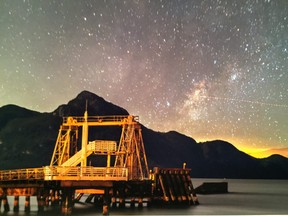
(268, 152)
(95, 105)
(27, 139)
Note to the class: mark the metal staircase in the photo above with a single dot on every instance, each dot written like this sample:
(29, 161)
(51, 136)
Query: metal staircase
(94, 147)
(76, 158)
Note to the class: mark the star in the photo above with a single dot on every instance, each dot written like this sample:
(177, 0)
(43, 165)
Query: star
(209, 69)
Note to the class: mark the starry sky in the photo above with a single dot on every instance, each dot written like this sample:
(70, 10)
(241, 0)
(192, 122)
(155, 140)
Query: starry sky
(211, 69)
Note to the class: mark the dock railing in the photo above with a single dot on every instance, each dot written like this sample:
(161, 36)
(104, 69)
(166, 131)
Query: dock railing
(85, 173)
(50, 173)
(22, 174)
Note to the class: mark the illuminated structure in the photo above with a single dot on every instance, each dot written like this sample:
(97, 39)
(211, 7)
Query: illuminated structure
(68, 174)
(130, 158)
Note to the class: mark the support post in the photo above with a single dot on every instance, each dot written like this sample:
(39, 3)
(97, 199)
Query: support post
(121, 202)
(67, 198)
(140, 202)
(5, 203)
(106, 202)
(108, 159)
(16, 204)
(84, 140)
(47, 201)
(149, 201)
(98, 200)
(132, 202)
(114, 198)
(54, 198)
(113, 201)
(27, 207)
(41, 203)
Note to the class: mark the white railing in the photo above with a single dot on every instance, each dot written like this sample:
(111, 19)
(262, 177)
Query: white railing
(104, 146)
(66, 173)
(85, 173)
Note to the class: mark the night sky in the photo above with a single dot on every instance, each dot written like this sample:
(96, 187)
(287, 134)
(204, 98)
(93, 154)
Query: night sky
(211, 69)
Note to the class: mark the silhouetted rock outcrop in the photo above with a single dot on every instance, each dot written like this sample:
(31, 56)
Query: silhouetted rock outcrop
(95, 105)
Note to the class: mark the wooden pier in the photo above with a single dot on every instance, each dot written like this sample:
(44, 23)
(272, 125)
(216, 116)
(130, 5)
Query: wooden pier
(68, 177)
(173, 186)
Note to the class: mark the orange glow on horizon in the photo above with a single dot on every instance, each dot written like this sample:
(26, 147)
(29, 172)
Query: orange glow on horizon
(253, 150)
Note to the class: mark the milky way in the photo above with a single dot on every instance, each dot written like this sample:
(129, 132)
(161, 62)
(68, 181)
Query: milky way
(212, 69)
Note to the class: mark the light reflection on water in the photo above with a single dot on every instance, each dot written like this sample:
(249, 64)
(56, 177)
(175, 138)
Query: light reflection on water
(244, 197)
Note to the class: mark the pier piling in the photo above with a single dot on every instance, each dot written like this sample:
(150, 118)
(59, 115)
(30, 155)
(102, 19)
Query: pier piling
(41, 203)
(106, 202)
(5, 204)
(113, 202)
(140, 202)
(16, 204)
(121, 202)
(55, 198)
(67, 201)
(132, 202)
(27, 207)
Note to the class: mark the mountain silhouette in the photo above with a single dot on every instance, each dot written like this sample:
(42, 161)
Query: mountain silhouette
(27, 139)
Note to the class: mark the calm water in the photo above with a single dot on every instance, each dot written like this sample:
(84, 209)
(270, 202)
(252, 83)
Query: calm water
(252, 197)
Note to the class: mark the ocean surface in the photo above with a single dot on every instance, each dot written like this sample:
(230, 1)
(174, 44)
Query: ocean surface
(245, 197)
